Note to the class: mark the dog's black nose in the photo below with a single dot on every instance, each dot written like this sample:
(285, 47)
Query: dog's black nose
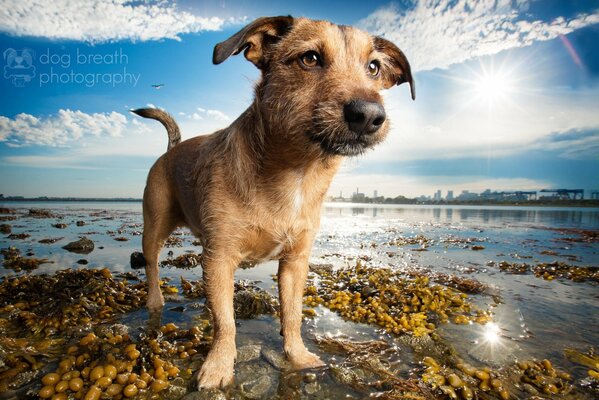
(364, 117)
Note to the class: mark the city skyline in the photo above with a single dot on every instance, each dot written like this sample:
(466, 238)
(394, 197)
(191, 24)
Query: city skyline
(507, 100)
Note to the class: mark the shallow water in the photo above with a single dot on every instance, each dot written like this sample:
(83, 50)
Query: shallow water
(537, 318)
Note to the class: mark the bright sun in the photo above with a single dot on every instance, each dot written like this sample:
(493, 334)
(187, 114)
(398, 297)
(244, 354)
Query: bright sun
(492, 86)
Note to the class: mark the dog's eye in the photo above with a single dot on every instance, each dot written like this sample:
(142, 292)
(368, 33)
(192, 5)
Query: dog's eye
(374, 68)
(311, 59)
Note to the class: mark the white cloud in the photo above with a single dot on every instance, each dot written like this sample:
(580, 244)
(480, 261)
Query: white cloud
(63, 129)
(101, 20)
(217, 115)
(439, 33)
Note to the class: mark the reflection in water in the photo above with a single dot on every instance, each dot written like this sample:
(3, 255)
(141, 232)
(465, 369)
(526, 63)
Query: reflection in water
(570, 216)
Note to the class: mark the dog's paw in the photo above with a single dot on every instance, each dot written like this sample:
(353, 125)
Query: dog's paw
(155, 301)
(216, 372)
(303, 359)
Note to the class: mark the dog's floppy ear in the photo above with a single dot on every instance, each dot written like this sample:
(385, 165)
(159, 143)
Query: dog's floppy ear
(255, 38)
(396, 69)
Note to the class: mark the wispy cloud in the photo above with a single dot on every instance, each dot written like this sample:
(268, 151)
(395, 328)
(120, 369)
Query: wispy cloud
(62, 129)
(439, 33)
(102, 20)
(201, 113)
(217, 115)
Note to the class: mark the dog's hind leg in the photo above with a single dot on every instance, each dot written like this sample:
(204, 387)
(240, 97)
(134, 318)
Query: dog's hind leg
(293, 271)
(159, 222)
(219, 268)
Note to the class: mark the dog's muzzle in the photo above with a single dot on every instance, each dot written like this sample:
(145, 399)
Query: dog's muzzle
(348, 129)
(364, 117)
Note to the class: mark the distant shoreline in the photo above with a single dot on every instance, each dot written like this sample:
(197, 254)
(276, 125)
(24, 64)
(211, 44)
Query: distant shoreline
(588, 203)
(71, 199)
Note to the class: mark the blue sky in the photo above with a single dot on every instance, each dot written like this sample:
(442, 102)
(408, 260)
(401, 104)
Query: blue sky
(507, 92)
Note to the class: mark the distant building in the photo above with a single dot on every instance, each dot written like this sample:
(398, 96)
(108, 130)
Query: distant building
(358, 197)
(437, 196)
(449, 195)
(467, 196)
(376, 192)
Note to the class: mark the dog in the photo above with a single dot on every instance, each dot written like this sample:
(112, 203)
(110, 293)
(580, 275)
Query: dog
(254, 190)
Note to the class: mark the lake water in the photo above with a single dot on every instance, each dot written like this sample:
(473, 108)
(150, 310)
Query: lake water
(537, 318)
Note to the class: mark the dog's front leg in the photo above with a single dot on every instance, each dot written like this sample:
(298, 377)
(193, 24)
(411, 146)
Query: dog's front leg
(217, 370)
(293, 271)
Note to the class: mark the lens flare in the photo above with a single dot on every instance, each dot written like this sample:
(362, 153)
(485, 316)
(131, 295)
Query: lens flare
(491, 333)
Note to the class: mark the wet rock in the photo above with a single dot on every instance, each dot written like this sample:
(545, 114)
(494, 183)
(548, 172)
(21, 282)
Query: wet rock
(257, 388)
(5, 228)
(276, 359)
(121, 239)
(40, 213)
(60, 226)
(81, 246)
(206, 394)
(310, 377)
(312, 388)
(50, 240)
(344, 376)
(529, 389)
(4, 210)
(80, 223)
(175, 391)
(137, 260)
(248, 352)
(82, 261)
(19, 236)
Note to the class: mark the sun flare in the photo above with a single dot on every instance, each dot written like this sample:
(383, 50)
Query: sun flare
(493, 86)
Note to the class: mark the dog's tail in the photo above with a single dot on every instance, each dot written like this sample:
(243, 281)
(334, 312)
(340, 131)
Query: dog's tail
(174, 134)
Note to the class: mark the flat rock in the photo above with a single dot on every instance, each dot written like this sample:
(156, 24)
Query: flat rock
(248, 352)
(276, 359)
(257, 388)
(81, 246)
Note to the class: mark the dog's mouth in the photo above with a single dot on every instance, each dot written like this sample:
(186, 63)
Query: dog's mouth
(341, 143)
(330, 130)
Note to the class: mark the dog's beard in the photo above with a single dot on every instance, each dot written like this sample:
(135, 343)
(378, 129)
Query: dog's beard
(330, 131)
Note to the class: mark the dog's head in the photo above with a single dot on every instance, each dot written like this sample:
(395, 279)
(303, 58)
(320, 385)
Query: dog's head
(321, 82)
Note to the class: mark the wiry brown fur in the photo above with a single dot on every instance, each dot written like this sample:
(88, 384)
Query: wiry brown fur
(254, 190)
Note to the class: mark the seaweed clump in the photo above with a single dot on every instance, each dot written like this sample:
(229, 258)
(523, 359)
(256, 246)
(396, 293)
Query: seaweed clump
(249, 300)
(113, 365)
(588, 359)
(366, 369)
(49, 304)
(398, 304)
(188, 261)
(15, 261)
(551, 270)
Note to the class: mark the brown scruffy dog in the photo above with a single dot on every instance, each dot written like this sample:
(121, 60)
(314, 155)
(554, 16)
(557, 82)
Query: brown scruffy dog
(254, 190)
